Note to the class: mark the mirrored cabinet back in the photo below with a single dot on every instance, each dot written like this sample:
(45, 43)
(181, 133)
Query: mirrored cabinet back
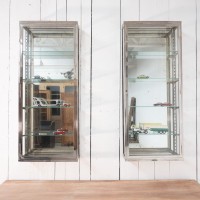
(152, 90)
(49, 91)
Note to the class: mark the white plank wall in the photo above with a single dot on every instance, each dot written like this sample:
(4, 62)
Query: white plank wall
(85, 75)
(186, 12)
(158, 12)
(198, 91)
(130, 11)
(101, 137)
(105, 89)
(4, 85)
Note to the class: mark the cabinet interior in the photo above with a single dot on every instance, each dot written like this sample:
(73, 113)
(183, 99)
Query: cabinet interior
(49, 91)
(151, 90)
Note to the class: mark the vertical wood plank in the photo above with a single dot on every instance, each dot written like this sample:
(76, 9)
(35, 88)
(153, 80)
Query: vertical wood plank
(72, 171)
(4, 78)
(74, 10)
(105, 89)
(85, 64)
(61, 10)
(154, 10)
(61, 15)
(128, 169)
(48, 10)
(198, 90)
(185, 11)
(42, 171)
(20, 11)
(130, 10)
(73, 14)
(162, 170)
(144, 13)
(60, 170)
(146, 170)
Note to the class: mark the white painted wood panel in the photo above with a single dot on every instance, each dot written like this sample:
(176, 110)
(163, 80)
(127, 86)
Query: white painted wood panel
(185, 11)
(162, 170)
(60, 170)
(43, 171)
(130, 10)
(4, 81)
(61, 15)
(31, 11)
(85, 64)
(105, 89)
(72, 168)
(72, 171)
(154, 10)
(61, 10)
(128, 169)
(74, 10)
(106, 126)
(48, 10)
(146, 170)
(198, 90)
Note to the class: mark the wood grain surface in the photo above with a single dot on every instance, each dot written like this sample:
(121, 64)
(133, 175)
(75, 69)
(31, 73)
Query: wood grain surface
(100, 190)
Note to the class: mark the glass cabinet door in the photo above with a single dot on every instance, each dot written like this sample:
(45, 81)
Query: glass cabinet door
(48, 98)
(151, 90)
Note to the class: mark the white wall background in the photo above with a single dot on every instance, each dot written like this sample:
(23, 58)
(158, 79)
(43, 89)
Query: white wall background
(101, 148)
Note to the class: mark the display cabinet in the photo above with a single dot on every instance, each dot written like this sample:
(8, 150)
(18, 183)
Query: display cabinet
(151, 83)
(49, 91)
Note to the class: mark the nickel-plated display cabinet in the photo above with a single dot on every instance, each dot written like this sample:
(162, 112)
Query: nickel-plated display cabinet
(49, 91)
(152, 90)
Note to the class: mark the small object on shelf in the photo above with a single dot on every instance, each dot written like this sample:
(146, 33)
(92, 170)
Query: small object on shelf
(166, 104)
(39, 102)
(38, 78)
(56, 102)
(68, 74)
(159, 130)
(152, 73)
(157, 104)
(60, 131)
(162, 104)
(66, 104)
(49, 91)
(142, 76)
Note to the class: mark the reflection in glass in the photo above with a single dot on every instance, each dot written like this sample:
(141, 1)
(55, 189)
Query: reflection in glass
(49, 65)
(151, 81)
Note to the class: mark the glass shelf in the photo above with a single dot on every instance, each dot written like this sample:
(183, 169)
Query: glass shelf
(47, 133)
(175, 107)
(171, 80)
(155, 133)
(151, 54)
(48, 104)
(43, 80)
(42, 107)
(151, 84)
(49, 54)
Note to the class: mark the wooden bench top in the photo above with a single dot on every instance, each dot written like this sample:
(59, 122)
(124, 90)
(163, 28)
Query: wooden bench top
(100, 190)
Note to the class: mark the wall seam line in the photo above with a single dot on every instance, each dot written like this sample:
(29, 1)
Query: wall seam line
(79, 74)
(40, 10)
(196, 25)
(120, 22)
(9, 48)
(66, 10)
(91, 95)
(139, 11)
(56, 10)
